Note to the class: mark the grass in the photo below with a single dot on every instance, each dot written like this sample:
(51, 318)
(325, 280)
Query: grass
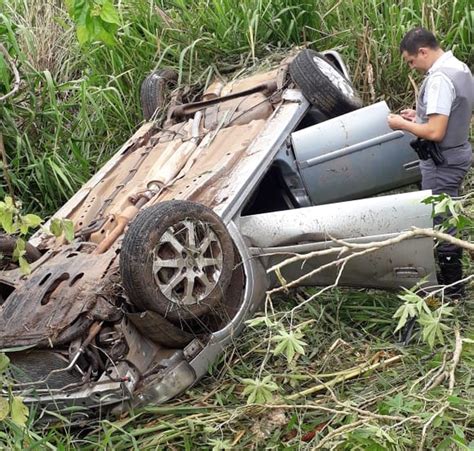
(385, 408)
(74, 109)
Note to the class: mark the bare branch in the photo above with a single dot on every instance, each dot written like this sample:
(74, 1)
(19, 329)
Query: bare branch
(414, 232)
(455, 360)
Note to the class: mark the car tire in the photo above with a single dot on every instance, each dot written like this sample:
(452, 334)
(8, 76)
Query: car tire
(323, 84)
(7, 247)
(177, 259)
(152, 91)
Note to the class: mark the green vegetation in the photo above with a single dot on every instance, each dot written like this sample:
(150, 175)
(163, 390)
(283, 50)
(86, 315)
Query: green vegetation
(354, 387)
(322, 379)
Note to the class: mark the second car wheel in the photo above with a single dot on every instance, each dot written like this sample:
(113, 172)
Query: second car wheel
(177, 259)
(152, 91)
(322, 84)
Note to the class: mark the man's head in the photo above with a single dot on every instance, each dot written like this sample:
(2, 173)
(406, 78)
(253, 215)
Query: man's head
(420, 49)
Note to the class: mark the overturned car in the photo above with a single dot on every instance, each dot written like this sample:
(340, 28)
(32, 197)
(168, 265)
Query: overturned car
(174, 235)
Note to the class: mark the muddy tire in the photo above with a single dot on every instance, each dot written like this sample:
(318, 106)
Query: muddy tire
(323, 84)
(177, 259)
(153, 88)
(7, 247)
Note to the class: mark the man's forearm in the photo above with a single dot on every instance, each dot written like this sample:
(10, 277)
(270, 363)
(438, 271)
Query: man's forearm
(433, 130)
(425, 131)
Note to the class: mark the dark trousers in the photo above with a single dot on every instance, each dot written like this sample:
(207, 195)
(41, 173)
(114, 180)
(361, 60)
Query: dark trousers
(446, 179)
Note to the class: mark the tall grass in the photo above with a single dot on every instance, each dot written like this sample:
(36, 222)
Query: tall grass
(76, 106)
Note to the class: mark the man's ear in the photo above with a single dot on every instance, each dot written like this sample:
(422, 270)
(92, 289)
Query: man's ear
(423, 51)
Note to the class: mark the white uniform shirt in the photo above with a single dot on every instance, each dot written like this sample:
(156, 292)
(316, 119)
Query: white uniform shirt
(440, 93)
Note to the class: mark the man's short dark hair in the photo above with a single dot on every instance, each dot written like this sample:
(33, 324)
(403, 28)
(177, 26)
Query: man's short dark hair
(417, 38)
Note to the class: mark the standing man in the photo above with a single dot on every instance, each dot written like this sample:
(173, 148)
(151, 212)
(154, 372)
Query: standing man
(443, 115)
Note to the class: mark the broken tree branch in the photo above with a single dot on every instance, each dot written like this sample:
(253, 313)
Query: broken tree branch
(363, 248)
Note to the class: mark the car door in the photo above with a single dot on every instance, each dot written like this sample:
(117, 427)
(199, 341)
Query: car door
(354, 155)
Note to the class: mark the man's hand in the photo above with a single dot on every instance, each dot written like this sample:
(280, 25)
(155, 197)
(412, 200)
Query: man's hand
(396, 122)
(408, 114)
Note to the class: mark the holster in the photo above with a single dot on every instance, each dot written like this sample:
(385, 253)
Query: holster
(427, 149)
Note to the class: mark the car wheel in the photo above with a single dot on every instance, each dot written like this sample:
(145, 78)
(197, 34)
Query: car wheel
(323, 84)
(152, 91)
(7, 247)
(177, 259)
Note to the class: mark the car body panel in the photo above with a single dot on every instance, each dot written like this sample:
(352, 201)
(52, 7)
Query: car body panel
(274, 236)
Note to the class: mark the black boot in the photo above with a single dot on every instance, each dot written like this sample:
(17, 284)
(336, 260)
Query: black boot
(450, 265)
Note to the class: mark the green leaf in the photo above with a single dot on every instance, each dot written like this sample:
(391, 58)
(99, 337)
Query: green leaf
(68, 227)
(9, 203)
(104, 36)
(442, 206)
(19, 412)
(109, 14)
(56, 227)
(31, 220)
(6, 220)
(432, 327)
(219, 445)
(4, 408)
(19, 249)
(458, 431)
(81, 12)
(69, 6)
(83, 35)
(259, 320)
(4, 362)
(25, 267)
(404, 312)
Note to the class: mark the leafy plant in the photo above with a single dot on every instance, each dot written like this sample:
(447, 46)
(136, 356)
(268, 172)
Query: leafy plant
(432, 326)
(13, 222)
(13, 407)
(219, 445)
(413, 306)
(16, 224)
(289, 343)
(431, 321)
(96, 20)
(259, 391)
(452, 211)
